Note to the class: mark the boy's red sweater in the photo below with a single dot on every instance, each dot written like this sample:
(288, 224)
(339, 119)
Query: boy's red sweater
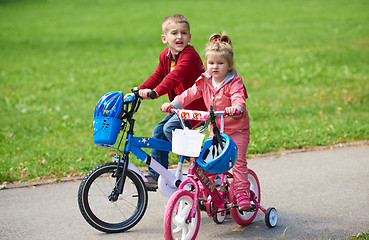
(188, 67)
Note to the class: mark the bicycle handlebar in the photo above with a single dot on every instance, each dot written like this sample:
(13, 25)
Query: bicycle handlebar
(203, 116)
(152, 94)
(237, 113)
(199, 116)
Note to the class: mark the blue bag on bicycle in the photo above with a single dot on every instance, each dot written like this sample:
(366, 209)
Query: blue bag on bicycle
(218, 158)
(107, 120)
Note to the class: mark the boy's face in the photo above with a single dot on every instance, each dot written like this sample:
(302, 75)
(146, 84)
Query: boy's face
(177, 36)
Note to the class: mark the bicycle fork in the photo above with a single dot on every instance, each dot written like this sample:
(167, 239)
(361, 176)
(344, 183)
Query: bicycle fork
(120, 175)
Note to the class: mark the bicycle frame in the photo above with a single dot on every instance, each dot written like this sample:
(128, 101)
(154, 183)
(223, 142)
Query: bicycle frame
(135, 146)
(203, 177)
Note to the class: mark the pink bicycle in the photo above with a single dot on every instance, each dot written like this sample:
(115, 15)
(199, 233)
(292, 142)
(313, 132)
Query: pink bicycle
(209, 185)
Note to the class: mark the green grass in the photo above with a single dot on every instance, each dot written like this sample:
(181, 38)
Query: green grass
(304, 63)
(359, 236)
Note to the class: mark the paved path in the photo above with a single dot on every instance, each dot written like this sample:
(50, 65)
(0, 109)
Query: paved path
(316, 193)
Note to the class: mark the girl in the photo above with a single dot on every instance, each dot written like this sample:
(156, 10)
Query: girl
(221, 87)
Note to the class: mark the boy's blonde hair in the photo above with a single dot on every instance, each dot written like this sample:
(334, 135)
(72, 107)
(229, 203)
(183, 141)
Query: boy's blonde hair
(221, 44)
(177, 18)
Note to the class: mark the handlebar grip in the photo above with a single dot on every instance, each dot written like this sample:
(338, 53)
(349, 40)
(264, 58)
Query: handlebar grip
(170, 109)
(152, 94)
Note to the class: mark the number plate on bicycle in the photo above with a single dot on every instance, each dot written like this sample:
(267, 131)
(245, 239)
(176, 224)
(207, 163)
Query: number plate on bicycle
(193, 115)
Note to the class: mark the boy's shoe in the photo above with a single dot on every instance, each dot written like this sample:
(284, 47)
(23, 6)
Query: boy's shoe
(243, 201)
(151, 184)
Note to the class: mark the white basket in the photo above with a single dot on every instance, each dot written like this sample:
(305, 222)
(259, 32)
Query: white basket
(187, 142)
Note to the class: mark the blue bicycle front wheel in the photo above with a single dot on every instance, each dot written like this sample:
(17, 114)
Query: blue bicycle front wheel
(111, 214)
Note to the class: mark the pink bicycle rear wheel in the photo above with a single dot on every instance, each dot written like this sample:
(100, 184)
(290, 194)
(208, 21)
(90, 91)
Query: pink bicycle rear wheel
(244, 218)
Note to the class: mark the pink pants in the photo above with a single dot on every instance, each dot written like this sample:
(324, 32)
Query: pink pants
(240, 170)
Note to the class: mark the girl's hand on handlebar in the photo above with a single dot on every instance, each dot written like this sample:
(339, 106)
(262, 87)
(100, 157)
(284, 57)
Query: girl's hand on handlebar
(230, 111)
(165, 107)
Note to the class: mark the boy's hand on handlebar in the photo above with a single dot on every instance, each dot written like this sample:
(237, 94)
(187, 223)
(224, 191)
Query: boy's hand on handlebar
(166, 106)
(143, 93)
(146, 94)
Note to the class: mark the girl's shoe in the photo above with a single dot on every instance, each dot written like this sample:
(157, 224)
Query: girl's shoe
(243, 200)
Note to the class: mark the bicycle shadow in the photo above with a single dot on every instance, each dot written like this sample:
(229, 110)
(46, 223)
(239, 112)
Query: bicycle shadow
(291, 225)
(231, 230)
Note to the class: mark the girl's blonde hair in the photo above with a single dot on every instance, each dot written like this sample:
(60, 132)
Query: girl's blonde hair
(221, 44)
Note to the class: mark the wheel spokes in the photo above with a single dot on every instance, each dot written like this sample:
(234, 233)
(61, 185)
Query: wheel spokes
(180, 218)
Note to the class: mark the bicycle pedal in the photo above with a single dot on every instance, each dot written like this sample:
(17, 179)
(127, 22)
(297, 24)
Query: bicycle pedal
(253, 208)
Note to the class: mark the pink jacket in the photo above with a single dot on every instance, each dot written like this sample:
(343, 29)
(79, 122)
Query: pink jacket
(231, 93)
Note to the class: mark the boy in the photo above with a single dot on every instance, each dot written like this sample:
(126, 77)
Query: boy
(179, 67)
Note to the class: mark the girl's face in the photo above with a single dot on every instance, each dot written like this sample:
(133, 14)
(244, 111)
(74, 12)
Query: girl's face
(217, 66)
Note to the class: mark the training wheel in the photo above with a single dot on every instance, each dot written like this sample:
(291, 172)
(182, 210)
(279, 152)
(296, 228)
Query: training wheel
(219, 216)
(271, 217)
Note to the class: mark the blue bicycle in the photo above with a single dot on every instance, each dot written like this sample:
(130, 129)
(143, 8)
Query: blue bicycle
(112, 197)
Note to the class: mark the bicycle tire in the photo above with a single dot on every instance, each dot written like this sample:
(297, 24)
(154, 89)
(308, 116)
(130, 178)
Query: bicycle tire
(244, 218)
(271, 217)
(176, 212)
(111, 216)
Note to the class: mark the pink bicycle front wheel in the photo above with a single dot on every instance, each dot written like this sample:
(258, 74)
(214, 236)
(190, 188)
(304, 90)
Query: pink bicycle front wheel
(175, 225)
(244, 218)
